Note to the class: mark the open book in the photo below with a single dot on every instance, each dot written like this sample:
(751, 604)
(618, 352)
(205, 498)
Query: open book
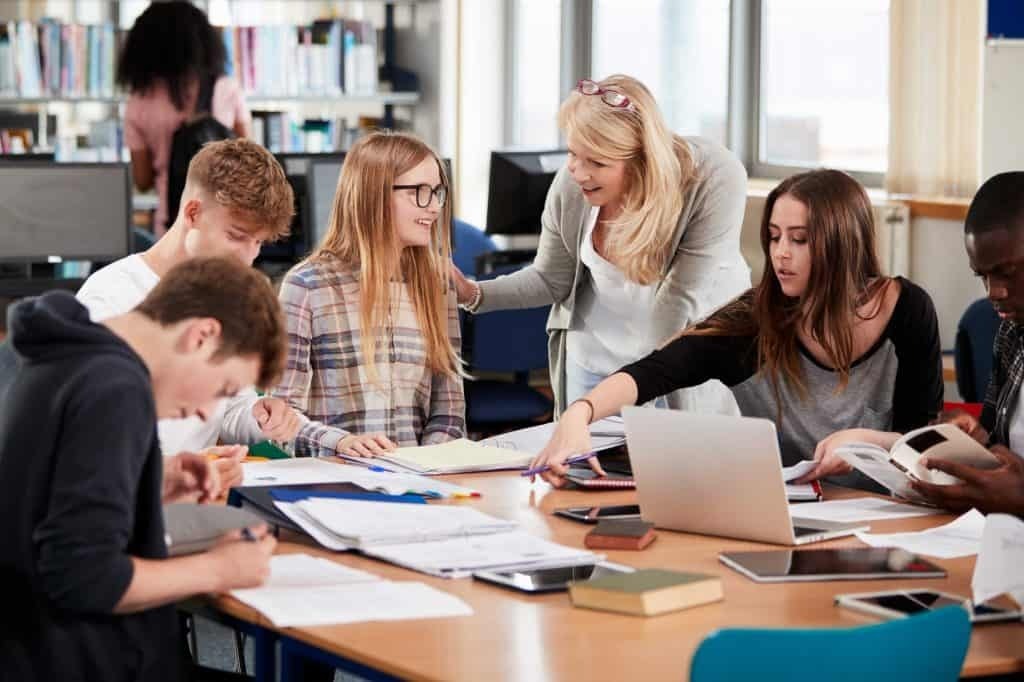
(896, 467)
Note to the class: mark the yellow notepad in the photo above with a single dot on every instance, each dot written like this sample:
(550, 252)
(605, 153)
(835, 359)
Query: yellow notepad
(457, 456)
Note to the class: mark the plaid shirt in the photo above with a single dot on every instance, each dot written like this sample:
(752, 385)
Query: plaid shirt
(325, 375)
(1004, 386)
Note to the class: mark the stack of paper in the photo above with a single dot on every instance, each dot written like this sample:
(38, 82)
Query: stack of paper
(961, 537)
(800, 492)
(458, 557)
(456, 456)
(306, 470)
(362, 524)
(305, 591)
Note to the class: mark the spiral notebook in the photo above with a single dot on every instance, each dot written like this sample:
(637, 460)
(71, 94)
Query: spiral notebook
(589, 480)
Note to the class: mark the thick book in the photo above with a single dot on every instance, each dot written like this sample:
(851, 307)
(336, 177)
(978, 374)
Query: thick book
(895, 468)
(647, 592)
(620, 534)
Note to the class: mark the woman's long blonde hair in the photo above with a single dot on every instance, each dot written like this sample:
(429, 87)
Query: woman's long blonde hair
(360, 233)
(659, 170)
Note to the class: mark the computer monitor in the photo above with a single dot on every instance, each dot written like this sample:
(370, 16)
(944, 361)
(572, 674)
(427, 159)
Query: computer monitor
(296, 167)
(71, 211)
(518, 187)
(322, 185)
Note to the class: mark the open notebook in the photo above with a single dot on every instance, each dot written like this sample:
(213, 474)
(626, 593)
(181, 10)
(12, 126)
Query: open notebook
(454, 457)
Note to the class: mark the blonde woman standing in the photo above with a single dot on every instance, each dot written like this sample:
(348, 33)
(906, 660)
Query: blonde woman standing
(372, 324)
(640, 237)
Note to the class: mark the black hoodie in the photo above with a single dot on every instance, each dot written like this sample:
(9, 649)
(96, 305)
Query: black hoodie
(80, 492)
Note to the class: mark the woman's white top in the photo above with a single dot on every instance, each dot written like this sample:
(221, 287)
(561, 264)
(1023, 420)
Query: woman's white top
(612, 323)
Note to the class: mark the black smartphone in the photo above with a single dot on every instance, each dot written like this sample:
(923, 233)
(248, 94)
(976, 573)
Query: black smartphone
(595, 514)
(899, 603)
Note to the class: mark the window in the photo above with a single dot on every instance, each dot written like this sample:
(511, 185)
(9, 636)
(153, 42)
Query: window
(535, 88)
(678, 48)
(824, 85)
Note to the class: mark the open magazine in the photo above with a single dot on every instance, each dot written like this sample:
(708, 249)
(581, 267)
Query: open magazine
(896, 467)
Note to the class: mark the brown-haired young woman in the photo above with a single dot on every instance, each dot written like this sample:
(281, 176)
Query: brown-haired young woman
(825, 344)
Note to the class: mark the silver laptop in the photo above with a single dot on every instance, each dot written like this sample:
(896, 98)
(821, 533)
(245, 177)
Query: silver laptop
(716, 475)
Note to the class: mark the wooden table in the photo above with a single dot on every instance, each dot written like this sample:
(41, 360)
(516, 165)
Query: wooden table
(517, 636)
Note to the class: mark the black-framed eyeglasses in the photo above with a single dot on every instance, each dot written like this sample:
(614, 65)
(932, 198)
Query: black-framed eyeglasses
(612, 98)
(425, 191)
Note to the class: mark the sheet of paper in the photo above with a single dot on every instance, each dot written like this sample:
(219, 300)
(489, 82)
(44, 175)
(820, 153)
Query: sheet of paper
(797, 470)
(805, 492)
(303, 570)
(295, 471)
(369, 523)
(325, 537)
(958, 538)
(859, 509)
(604, 434)
(352, 603)
(502, 550)
(998, 570)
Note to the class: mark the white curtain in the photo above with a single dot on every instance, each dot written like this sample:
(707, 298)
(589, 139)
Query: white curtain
(935, 74)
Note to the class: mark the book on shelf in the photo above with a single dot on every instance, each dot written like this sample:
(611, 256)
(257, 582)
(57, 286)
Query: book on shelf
(53, 59)
(329, 57)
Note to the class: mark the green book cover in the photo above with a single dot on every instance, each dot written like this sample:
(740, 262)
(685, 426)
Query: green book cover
(268, 450)
(644, 580)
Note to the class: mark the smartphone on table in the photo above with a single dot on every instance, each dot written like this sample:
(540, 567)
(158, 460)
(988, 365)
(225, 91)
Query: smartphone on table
(902, 603)
(595, 514)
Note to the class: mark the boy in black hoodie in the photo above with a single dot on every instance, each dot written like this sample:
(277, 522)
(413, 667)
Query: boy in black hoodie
(85, 582)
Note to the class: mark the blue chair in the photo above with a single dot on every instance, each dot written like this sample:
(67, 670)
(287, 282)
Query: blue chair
(468, 244)
(924, 648)
(507, 341)
(972, 351)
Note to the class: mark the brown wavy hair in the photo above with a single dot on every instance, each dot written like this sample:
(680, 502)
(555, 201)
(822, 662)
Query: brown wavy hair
(845, 275)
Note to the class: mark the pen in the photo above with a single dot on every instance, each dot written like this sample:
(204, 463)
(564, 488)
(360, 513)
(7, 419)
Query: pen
(572, 460)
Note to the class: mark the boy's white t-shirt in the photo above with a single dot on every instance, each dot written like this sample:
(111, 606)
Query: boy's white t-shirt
(118, 288)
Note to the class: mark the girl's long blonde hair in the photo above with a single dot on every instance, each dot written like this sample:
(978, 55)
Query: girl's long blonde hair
(360, 234)
(659, 170)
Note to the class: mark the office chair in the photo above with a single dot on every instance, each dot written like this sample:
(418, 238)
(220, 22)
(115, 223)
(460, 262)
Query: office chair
(506, 341)
(468, 244)
(925, 648)
(972, 350)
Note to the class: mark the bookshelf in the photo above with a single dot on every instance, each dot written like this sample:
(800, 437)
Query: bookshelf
(382, 33)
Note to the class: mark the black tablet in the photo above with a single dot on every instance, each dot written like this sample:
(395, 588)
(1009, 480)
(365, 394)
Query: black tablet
(548, 579)
(855, 563)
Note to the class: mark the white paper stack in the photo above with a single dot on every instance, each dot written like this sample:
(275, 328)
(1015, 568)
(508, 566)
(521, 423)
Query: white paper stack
(305, 470)
(306, 591)
(458, 557)
(363, 524)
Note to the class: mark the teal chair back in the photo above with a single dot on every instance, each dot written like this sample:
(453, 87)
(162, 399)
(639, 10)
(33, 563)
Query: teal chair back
(926, 648)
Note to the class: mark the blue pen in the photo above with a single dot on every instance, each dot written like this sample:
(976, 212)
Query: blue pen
(572, 460)
(374, 467)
